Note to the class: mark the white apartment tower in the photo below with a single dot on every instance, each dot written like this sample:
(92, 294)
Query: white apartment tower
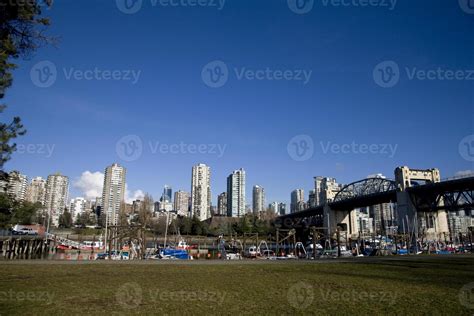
(17, 184)
(113, 194)
(297, 200)
(201, 192)
(77, 207)
(236, 193)
(258, 196)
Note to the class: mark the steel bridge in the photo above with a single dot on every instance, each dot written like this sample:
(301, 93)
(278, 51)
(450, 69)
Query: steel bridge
(432, 197)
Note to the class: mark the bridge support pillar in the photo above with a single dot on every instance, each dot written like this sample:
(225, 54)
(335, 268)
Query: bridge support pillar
(436, 223)
(405, 212)
(334, 218)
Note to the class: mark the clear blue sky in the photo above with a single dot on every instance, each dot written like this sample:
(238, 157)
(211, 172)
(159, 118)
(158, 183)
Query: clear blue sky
(255, 119)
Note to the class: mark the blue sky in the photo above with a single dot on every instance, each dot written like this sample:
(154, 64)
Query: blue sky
(342, 103)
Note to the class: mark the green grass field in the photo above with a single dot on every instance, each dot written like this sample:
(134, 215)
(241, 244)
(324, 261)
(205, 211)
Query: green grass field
(421, 285)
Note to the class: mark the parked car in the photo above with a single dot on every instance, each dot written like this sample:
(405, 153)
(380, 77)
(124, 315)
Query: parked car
(268, 254)
(21, 230)
(233, 256)
(251, 252)
(29, 231)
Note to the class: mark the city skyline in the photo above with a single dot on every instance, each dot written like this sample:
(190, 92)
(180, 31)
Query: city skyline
(317, 183)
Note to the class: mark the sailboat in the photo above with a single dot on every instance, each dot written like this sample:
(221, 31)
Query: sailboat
(180, 252)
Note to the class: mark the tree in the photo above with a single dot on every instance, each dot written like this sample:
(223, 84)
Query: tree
(122, 218)
(65, 219)
(5, 210)
(14, 212)
(84, 219)
(145, 212)
(21, 33)
(25, 213)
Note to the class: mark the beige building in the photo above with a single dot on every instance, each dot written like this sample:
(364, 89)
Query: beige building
(15, 186)
(113, 194)
(36, 191)
(181, 203)
(201, 192)
(56, 199)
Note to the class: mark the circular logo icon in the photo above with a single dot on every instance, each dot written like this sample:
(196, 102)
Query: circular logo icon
(301, 148)
(301, 6)
(129, 295)
(466, 148)
(466, 295)
(44, 74)
(300, 295)
(467, 6)
(129, 148)
(215, 74)
(129, 6)
(386, 74)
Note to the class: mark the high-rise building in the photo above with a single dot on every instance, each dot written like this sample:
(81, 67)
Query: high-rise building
(222, 204)
(57, 191)
(274, 207)
(113, 194)
(312, 201)
(201, 192)
(167, 192)
(317, 190)
(36, 191)
(165, 206)
(258, 196)
(17, 184)
(282, 209)
(136, 206)
(325, 189)
(181, 203)
(77, 207)
(297, 201)
(236, 193)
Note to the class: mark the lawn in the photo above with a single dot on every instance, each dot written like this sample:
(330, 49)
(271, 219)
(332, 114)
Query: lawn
(421, 285)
